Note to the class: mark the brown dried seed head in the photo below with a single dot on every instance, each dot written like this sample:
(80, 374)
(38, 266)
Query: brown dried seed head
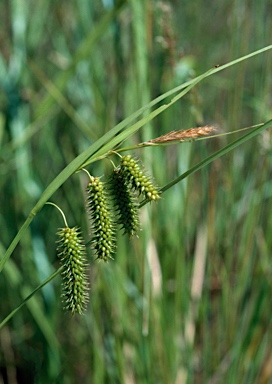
(188, 134)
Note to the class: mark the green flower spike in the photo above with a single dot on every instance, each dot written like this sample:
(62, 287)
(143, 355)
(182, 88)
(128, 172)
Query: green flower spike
(72, 254)
(126, 207)
(134, 174)
(102, 224)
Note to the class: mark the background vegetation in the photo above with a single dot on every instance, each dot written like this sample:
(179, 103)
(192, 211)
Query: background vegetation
(190, 300)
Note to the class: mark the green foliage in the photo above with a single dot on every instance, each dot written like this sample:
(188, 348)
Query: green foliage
(189, 301)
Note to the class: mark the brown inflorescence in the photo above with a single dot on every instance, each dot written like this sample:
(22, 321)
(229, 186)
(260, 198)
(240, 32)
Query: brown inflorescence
(183, 135)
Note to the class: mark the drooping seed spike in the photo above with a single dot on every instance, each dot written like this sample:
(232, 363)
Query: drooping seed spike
(72, 254)
(135, 175)
(101, 219)
(126, 207)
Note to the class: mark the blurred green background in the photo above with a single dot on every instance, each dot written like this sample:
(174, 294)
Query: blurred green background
(189, 301)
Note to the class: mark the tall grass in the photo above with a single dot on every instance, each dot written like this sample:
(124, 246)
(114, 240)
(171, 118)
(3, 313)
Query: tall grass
(189, 301)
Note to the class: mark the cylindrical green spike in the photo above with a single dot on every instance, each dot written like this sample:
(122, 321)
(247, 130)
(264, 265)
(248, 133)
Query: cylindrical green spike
(72, 254)
(102, 224)
(134, 174)
(126, 207)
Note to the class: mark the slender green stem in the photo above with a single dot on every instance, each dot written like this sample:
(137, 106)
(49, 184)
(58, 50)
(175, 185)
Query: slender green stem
(11, 314)
(60, 210)
(88, 173)
(174, 142)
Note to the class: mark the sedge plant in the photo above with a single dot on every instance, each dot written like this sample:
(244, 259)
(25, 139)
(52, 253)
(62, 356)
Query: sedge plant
(127, 183)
